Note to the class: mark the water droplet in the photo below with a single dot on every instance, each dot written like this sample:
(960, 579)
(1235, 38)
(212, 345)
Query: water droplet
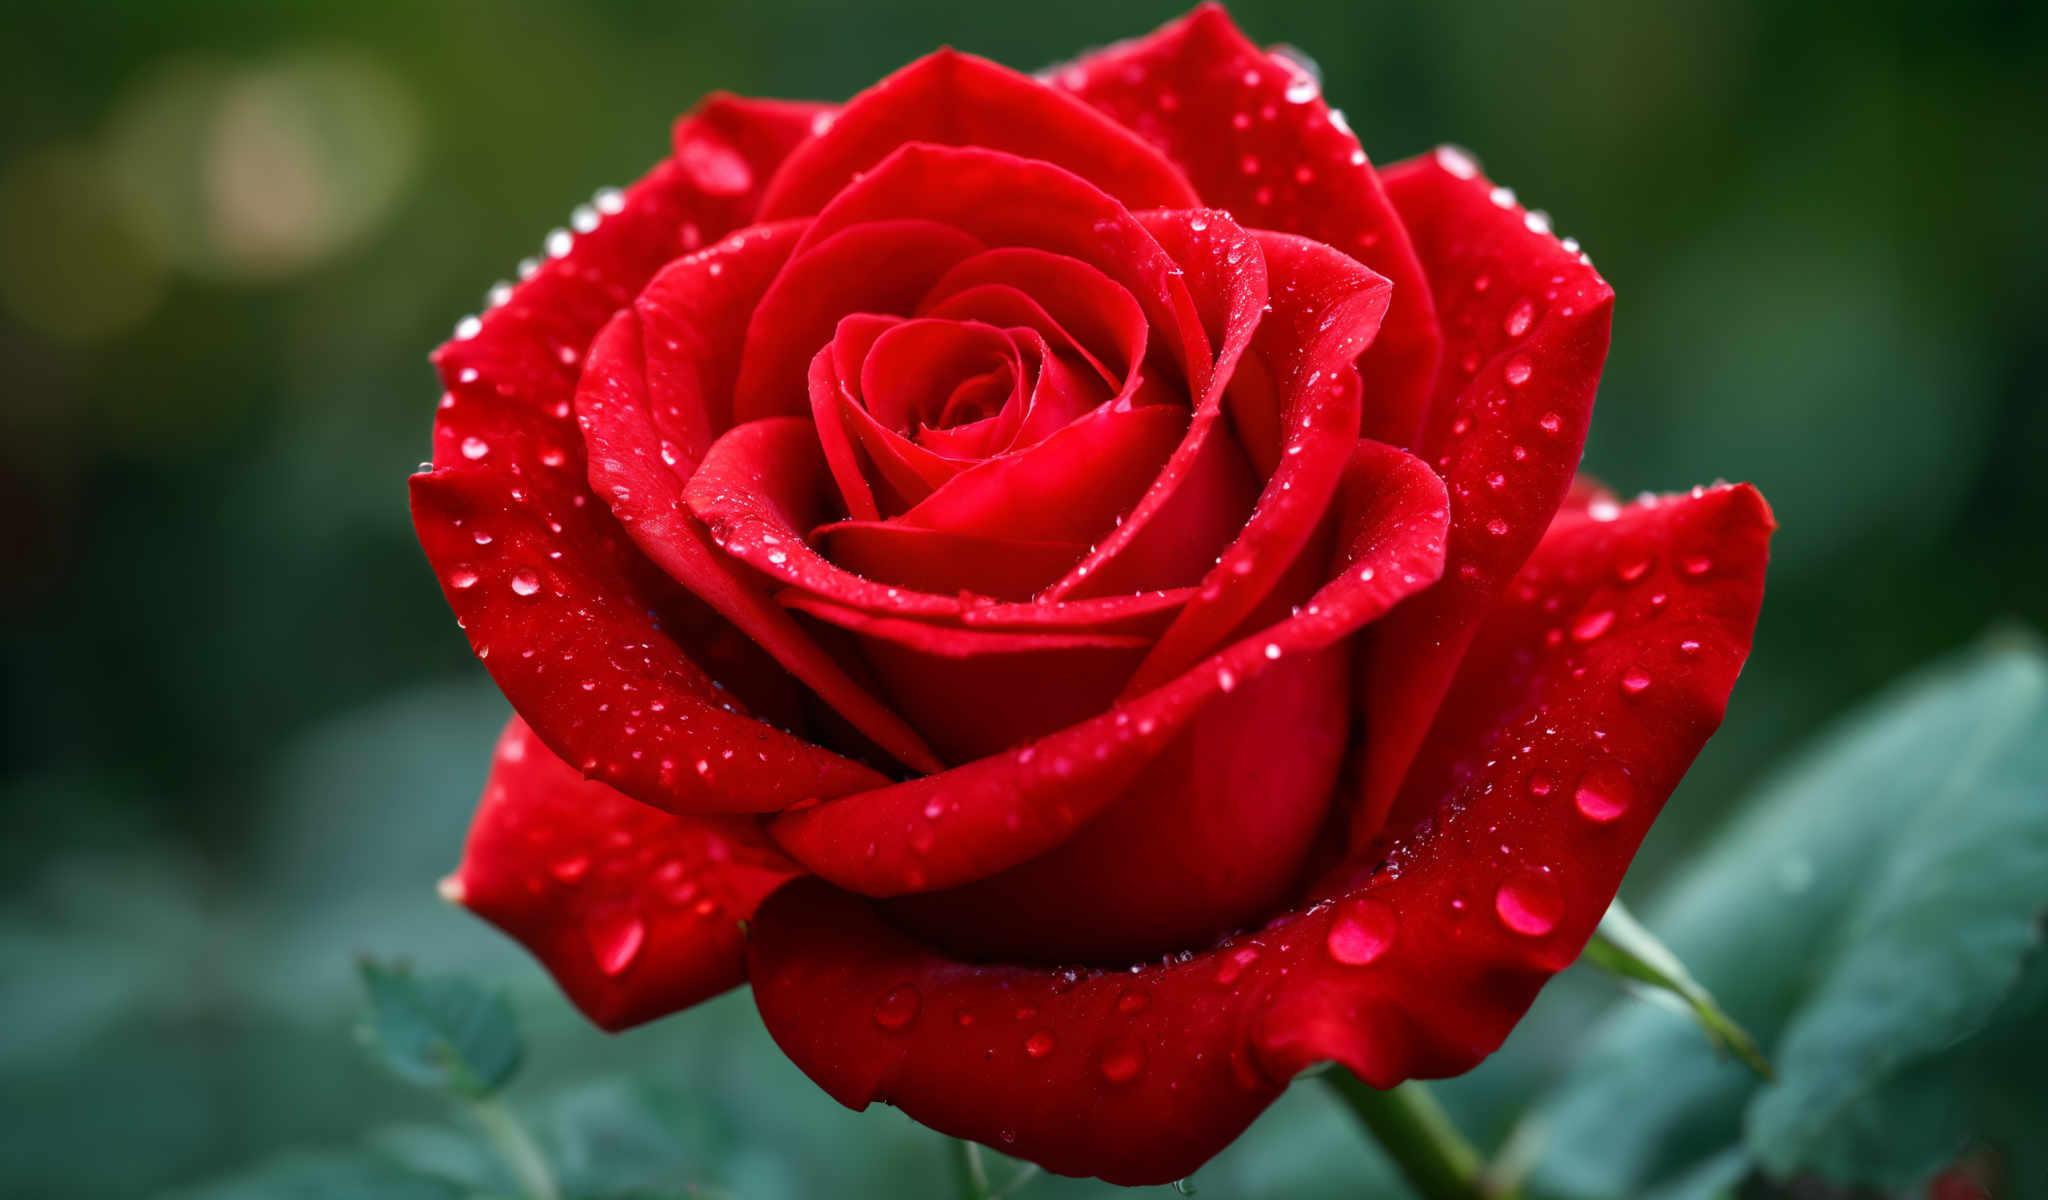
(715, 167)
(1301, 91)
(462, 577)
(1697, 564)
(1497, 527)
(1604, 793)
(1122, 1062)
(1362, 932)
(525, 582)
(1040, 1044)
(571, 870)
(1528, 903)
(1635, 681)
(1519, 319)
(1540, 784)
(895, 1011)
(1226, 679)
(616, 942)
(1518, 370)
(1272, 650)
(1629, 572)
(1457, 161)
(1234, 966)
(474, 448)
(1689, 646)
(1550, 423)
(1592, 625)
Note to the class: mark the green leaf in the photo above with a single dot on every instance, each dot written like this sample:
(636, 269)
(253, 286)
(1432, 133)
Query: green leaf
(442, 1032)
(1868, 914)
(1622, 947)
(1937, 937)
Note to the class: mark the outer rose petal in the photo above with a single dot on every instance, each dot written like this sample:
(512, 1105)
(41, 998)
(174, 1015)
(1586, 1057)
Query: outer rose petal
(986, 816)
(507, 493)
(634, 911)
(956, 99)
(1253, 133)
(1522, 358)
(1139, 1076)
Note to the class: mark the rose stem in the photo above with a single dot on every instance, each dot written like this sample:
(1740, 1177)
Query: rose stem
(1417, 1134)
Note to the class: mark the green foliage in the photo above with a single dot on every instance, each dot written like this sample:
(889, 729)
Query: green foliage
(1873, 913)
(444, 1032)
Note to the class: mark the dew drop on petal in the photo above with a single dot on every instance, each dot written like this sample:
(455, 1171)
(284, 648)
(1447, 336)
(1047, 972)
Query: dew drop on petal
(1635, 681)
(1604, 793)
(896, 1010)
(616, 942)
(1040, 1044)
(525, 582)
(1528, 903)
(1518, 370)
(1362, 931)
(1592, 625)
(1519, 319)
(1122, 1062)
(462, 577)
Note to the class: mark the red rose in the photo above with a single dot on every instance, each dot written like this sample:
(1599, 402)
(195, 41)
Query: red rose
(1074, 589)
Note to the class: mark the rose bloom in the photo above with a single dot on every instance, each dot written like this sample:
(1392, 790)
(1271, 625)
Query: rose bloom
(1073, 587)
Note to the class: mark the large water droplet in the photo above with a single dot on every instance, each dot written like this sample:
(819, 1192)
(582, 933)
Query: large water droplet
(1604, 793)
(715, 167)
(1519, 319)
(1518, 370)
(896, 1010)
(1635, 681)
(616, 942)
(1363, 931)
(525, 582)
(570, 870)
(1528, 903)
(1592, 625)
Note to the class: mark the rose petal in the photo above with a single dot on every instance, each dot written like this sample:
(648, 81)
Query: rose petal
(1071, 487)
(1139, 1076)
(1065, 299)
(974, 692)
(1208, 838)
(1252, 132)
(1326, 309)
(882, 266)
(1522, 359)
(1006, 809)
(1581, 704)
(955, 99)
(648, 496)
(1001, 200)
(506, 510)
(932, 560)
(636, 912)
(1200, 499)
(1084, 1072)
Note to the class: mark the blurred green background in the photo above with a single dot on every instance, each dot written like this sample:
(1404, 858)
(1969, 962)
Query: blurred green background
(242, 734)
